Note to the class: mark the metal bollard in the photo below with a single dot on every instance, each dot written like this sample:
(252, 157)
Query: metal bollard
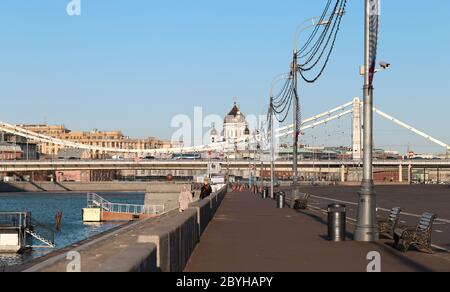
(275, 196)
(265, 193)
(280, 200)
(337, 222)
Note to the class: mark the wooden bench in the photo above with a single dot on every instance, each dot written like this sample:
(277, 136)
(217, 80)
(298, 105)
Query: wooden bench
(419, 236)
(387, 227)
(302, 203)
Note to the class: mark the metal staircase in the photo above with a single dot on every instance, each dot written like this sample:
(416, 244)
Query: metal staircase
(41, 233)
(24, 225)
(48, 243)
(96, 201)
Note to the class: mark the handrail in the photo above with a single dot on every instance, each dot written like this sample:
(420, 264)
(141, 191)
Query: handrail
(42, 232)
(96, 201)
(24, 222)
(15, 219)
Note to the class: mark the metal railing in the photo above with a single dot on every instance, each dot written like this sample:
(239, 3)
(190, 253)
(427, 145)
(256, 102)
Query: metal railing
(96, 201)
(24, 222)
(42, 233)
(15, 219)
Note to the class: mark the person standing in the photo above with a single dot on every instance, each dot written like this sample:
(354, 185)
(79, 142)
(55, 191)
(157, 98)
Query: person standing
(185, 199)
(206, 191)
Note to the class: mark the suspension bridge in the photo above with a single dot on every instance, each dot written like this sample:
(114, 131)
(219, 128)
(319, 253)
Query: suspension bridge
(353, 108)
(332, 170)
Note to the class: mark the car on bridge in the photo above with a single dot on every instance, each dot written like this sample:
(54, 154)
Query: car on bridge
(187, 156)
(149, 158)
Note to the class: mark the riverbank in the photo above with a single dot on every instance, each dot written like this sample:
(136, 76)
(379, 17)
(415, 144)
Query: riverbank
(161, 244)
(65, 250)
(124, 187)
(113, 186)
(44, 206)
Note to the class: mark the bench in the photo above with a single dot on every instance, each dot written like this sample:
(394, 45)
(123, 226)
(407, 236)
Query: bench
(302, 203)
(387, 227)
(419, 236)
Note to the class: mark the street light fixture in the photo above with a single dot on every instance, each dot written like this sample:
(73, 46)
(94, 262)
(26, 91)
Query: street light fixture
(277, 79)
(316, 21)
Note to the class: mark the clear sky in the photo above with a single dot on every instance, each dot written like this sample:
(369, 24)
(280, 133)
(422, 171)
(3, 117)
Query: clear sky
(134, 64)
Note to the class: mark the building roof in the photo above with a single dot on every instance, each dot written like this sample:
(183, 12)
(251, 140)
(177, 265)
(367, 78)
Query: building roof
(7, 147)
(234, 111)
(235, 116)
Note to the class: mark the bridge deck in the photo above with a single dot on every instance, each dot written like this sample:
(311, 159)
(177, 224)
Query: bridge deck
(249, 234)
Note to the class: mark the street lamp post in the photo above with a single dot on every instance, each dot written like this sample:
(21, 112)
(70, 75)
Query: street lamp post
(295, 99)
(366, 228)
(272, 155)
(295, 107)
(272, 132)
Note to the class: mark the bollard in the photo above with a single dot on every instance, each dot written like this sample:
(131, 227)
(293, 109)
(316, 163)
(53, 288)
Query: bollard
(265, 193)
(280, 200)
(337, 222)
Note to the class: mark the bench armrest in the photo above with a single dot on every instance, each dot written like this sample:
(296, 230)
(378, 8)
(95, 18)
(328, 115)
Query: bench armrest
(399, 231)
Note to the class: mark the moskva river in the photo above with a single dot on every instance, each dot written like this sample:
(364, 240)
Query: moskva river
(43, 208)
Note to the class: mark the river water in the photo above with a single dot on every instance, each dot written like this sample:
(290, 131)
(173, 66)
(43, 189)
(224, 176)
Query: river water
(43, 208)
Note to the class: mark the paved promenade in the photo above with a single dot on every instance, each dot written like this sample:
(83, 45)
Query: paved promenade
(248, 234)
(413, 199)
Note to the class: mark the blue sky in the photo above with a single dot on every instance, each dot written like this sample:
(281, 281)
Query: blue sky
(133, 65)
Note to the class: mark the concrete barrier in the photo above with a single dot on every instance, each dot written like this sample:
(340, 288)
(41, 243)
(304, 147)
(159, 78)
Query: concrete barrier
(167, 187)
(204, 214)
(177, 237)
(164, 194)
(164, 244)
(207, 208)
(137, 258)
(159, 187)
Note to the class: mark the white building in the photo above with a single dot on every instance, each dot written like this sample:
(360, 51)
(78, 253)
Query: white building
(235, 128)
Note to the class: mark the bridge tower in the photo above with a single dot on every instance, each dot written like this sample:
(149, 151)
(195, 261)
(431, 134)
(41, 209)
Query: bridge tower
(357, 129)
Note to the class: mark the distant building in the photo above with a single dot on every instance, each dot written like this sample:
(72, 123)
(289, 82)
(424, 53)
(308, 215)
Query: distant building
(29, 149)
(235, 128)
(444, 156)
(96, 138)
(10, 151)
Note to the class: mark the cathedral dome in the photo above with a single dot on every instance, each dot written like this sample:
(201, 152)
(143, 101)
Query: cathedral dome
(235, 116)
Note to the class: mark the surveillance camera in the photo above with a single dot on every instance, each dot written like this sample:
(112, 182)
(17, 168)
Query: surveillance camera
(385, 65)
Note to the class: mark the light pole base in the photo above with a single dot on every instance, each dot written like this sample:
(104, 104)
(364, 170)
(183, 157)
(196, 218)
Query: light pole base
(367, 226)
(295, 195)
